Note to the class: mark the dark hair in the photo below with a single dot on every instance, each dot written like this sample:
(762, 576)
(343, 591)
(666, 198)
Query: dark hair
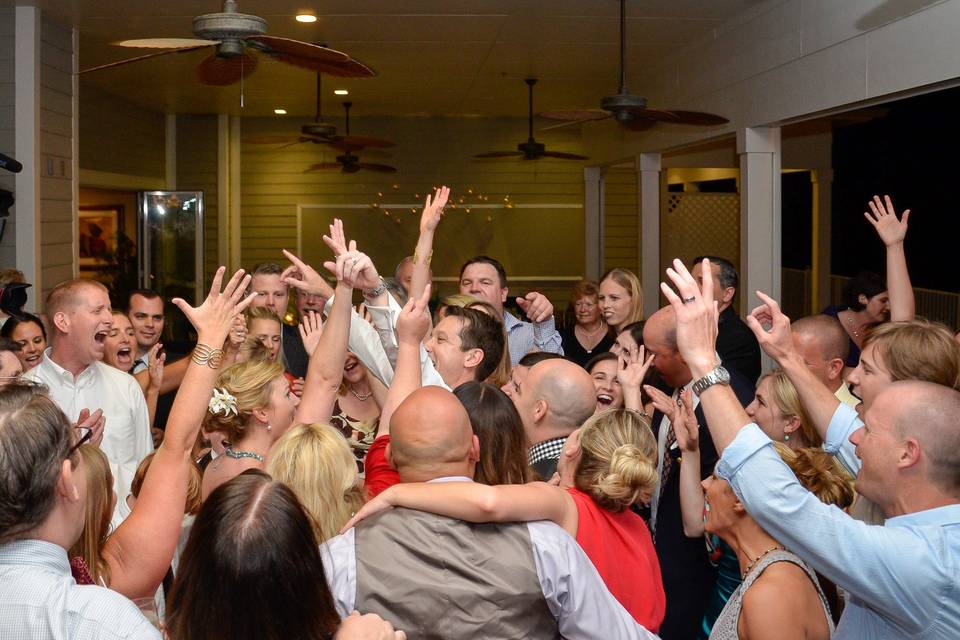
(35, 437)
(728, 273)
(14, 321)
(535, 357)
(867, 283)
(636, 331)
(6, 344)
(496, 423)
(597, 359)
(480, 331)
(149, 294)
(251, 568)
(493, 262)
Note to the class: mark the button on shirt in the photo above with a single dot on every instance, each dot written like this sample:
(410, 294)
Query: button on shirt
(40, 599)
(126, 432)
(524, 337)
(903, 577)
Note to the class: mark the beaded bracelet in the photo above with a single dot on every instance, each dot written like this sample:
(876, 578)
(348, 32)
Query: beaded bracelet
(205, 355)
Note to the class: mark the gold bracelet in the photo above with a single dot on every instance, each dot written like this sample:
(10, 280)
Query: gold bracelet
(416, 257)
(205, 355)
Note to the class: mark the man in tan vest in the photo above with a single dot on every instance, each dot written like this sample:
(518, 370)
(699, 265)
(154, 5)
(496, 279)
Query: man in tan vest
(436, 577)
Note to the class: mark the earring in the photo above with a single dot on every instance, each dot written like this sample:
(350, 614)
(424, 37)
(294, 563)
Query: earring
(786, 437)
(269, 427)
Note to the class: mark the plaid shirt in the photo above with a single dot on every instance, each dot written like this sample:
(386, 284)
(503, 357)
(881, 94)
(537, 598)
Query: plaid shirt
(546, 450)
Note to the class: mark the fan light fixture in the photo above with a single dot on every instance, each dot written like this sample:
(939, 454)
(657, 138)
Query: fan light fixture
(306, 17)
(280, 112)
(341, 92)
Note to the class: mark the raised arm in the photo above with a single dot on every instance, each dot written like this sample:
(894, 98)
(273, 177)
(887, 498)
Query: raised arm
(475, 502)
(632, 368)
(892, 232)
(412, 325)
(140, 550)
(685, 426)
(423, 253)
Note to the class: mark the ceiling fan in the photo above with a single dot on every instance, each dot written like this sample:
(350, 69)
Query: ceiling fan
(348, 161)
(322, 132)
(629, 110)
(531, 149)
(236, 36)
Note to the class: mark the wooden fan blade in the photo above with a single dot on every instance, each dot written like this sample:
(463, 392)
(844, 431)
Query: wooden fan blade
(499, 154)
(314, 57)
(323, 166)
(580, 115)
(355, 143)
(639, 124)
(698, 118)
(569, 123)
(138, 58)
(562, 155)
(271, 139)
(379, 168)
(219, 72)
(165, 43)
(350, 168)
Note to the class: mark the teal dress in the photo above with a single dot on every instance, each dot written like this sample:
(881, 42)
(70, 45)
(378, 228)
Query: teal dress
(728, 579)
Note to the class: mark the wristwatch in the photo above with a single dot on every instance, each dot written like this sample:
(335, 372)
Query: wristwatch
(370, 294)
(719, 375)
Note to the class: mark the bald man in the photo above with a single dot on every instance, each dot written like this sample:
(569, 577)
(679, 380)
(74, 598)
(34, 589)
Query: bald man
(553, 400)
(823, 344)
(688, 575)
(437, 577)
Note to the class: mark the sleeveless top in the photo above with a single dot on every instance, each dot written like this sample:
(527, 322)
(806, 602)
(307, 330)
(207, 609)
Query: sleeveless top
(620, 547)
(725, 628)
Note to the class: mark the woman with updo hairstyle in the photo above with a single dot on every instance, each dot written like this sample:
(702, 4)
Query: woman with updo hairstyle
(315, 461)
(777, 410)
(253, 406)
(605, 467)
(585, 334)
(621, 298)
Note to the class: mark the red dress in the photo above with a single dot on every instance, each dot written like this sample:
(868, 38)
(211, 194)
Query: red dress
(620, 547)
(378, 474)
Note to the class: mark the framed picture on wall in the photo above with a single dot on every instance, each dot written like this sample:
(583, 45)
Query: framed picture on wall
(99, 233)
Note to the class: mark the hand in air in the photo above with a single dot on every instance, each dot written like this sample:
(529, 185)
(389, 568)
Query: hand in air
(433, 210)
(697, 315)
(777, 341)
(311, 328)
(883, 217)
(414, 320)
(155, 368)
(238, 333)
(632, 367)
(94, 421)
(685, 425)
(354, 269)
(213, 319)
(536, 305)
(303, 277)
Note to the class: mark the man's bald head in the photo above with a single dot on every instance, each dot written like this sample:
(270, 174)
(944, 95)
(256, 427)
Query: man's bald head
(67, 295)
(929, 413)
(662, 326)
(567, 390)
(431, 437)
(827, 332)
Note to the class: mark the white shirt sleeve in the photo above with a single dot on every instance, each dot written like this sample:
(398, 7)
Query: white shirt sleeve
(575, 592)
(339, 555)
(364, 342)
(385, 321)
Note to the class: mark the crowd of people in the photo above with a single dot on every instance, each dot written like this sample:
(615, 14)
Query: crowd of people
(490, 468)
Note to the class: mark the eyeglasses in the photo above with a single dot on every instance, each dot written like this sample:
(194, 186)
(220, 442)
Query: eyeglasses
(85, 438)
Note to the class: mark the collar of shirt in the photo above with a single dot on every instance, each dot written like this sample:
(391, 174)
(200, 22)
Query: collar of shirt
(510, 320)
(52, 369)
(950, 514)
(546, 450)
(451, 479)
(37, 553)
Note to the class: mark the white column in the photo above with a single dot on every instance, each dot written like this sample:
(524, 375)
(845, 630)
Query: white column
(759, 150)
(648, 183)
(593, 222)
(170, 152)
(26, 118)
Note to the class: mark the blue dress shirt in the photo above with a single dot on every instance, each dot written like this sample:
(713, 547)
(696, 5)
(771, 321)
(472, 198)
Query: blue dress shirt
(524, 337)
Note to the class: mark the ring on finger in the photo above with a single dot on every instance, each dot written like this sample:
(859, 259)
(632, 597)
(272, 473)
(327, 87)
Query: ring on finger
(690, 299)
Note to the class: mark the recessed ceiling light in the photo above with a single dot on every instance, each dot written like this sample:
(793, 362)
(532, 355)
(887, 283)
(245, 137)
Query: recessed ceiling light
(341, 92)
(306, 17)
(280, 112)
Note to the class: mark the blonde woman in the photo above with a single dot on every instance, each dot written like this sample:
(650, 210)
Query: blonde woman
(606, 466)
(315, 461)
(621, 299)
(779, 413)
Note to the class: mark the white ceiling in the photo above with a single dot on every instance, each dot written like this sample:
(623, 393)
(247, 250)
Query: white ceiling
(433, 57)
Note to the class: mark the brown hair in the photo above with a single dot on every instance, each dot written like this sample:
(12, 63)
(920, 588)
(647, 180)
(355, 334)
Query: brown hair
(498, 427)
(617, 459)
(629, 281)
(788, 401)
(480, 331)
(249, 383)
(917, 350)
(500, 375)
(583, 289)
(98, 511)
(194, 485)
(819, 473)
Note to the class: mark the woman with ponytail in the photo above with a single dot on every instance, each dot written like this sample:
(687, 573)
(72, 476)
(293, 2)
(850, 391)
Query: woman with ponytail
(606, 466)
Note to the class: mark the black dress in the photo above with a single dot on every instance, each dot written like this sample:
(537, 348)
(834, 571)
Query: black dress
(574, 351)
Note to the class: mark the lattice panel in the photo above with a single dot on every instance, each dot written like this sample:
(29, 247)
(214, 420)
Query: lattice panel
(694, 224)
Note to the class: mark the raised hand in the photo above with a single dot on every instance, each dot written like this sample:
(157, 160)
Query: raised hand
(433, 210)
(414, 320)
(662, 402)
(776, 342)
(355, 269)
(697, 315)
(303, 277)
(536, 305)
(311, 328)
(632, 367)
(238, 332)
(94, 421)
(155, 368)
(214, 318)
(337, 240)
(883, 217)
(685, 425)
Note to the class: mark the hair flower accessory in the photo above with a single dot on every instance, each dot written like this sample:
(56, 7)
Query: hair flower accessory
(223, 402)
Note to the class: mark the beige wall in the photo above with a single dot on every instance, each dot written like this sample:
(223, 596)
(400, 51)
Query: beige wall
(197, 171)
(8, 254)
(117, 137)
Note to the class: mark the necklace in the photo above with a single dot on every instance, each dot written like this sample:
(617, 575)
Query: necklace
(362, 397)
(853, 328)
(238, 455)
(759, 558)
